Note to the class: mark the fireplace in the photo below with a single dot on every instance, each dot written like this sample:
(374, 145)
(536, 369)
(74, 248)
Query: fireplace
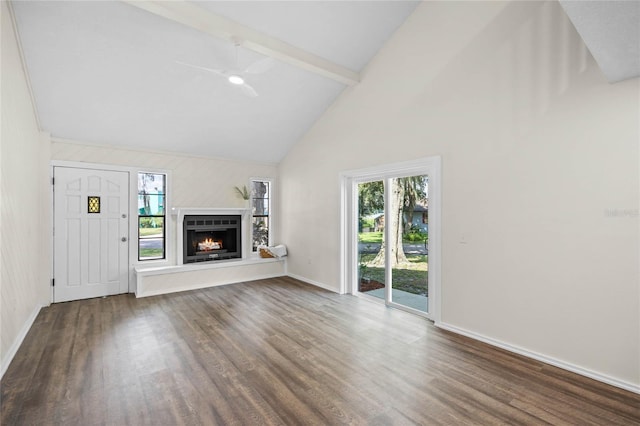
(211, 237)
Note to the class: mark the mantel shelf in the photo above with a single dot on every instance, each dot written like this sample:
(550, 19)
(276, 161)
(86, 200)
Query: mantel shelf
(175, 211)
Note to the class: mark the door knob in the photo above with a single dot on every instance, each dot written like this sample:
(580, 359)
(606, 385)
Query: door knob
(123, 239)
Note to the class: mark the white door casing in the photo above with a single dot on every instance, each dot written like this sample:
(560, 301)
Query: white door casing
(91, 250)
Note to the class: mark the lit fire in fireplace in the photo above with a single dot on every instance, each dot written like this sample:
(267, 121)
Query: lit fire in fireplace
(209, 244)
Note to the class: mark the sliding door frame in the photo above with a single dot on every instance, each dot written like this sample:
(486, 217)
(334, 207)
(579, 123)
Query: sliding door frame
(349, 180)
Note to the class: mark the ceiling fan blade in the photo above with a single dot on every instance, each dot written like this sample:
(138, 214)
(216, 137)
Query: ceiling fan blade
(221, 73)
(248, 90)
(258, 67)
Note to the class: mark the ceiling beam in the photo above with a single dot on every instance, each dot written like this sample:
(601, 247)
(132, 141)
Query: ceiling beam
(193, 16)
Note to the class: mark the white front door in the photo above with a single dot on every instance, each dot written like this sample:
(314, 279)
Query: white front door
(91, 233)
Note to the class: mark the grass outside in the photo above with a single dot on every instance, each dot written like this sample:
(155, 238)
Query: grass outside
(146, 232)
(370, 237)
(154, 253)
(411, 277)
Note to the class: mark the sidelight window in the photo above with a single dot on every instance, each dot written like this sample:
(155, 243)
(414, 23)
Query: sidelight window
(151, 216)
(260, 212)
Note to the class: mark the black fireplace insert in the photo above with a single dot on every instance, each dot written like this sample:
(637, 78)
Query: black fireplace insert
(211, 237)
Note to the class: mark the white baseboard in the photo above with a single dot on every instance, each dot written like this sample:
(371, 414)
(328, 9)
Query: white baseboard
(312, 282)
(631, 387)
(18, 340)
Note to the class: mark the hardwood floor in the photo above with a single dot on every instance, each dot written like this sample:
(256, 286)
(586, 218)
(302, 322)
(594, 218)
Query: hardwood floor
(280, 352)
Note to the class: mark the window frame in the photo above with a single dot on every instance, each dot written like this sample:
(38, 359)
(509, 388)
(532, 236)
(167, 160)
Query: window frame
(165, 246)
(269, 209)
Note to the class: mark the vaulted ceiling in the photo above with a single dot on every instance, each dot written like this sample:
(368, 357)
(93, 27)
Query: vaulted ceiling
(113, 72)
(153, 74)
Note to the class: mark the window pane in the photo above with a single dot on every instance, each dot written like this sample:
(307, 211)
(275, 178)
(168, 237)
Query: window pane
(260, 232)
(93, 204)
(259, 189)
(151, 211)
(151, 237)
(260, 203)
(152, 248)
(151, 204)
(151, 183)
(260, 207)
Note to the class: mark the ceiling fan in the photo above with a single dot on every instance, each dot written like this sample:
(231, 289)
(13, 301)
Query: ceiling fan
(237, 77)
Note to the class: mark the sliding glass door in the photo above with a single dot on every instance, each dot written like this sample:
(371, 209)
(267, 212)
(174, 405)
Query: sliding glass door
(391, 235)
(392, 240)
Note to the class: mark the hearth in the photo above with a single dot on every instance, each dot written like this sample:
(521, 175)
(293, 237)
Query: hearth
(211, 237)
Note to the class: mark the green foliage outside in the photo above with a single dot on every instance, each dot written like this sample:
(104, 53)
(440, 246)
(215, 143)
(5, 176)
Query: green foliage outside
(150, 226)
(151, 222)
(414, 235)
(370, 197)
(367, 222)
(376, 237)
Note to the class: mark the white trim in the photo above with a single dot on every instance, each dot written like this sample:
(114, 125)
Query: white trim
(313, 282)
(19, 340)
(177, 211)
(631, 387)
(181, 212)
(430, 166)
(51, 207)
(387, 186)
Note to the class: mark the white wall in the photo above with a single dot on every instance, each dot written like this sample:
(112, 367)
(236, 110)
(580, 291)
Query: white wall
(195, 182)
(540, 178)
(25, 208)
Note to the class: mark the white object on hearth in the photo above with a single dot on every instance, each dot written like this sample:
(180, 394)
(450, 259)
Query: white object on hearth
(277, 251)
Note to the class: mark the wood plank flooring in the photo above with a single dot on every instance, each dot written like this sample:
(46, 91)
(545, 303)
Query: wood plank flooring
(280, 352)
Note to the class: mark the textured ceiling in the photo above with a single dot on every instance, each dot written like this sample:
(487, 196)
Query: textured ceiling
(611, 31)
(107, 72)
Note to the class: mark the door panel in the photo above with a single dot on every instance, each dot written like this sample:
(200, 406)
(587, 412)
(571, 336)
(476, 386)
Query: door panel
(392, 240)
(371, 251)
(90, 256)
(410, 264)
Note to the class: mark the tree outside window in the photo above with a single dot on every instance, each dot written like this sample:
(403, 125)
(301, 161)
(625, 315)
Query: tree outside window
(260, 212)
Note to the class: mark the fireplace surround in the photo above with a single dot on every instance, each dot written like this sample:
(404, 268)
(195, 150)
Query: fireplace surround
(180, 213)
(211, 237)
